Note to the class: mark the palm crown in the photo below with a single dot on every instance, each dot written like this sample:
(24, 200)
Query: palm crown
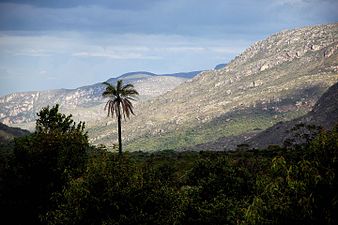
(120, 97)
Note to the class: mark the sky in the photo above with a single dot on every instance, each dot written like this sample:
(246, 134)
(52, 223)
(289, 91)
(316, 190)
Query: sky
(50, 44)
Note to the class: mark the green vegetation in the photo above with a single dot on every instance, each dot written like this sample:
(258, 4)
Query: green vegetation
(53, 176)
(119, 103)
(36, 166)
(243, 121)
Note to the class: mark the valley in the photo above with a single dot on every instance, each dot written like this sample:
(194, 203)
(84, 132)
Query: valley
(170, 112)
(276, 79)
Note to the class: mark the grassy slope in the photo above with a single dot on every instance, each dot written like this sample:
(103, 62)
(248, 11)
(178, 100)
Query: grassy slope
(242, 122)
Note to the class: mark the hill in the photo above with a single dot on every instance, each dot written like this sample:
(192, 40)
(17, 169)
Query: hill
(220, 66)
(187, 75)
(277, 79)
(324, 114)
(8, 133)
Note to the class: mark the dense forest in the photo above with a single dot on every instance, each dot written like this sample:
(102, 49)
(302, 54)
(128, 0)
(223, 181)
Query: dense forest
(54, 176)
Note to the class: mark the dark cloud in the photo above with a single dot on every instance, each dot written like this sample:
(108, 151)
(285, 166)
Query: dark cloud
(182, 17)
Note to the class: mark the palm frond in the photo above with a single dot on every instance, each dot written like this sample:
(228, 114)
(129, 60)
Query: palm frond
(120, 99)
(127, 108)
(119, 85)
(110, 90)
(109, 106)
(129, 92)
(128, 86)
(106, 83)
(131, 98)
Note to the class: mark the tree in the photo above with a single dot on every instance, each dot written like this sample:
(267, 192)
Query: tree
(119, 103)
(51, 120)
(41, 165)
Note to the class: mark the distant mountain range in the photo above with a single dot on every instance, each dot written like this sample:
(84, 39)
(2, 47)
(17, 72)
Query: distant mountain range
(85, 103)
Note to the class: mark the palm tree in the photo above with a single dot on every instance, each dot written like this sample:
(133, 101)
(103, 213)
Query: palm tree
(119, 103)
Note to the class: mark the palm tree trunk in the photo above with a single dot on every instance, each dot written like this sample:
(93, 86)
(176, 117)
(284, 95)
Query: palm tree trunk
(119, 133)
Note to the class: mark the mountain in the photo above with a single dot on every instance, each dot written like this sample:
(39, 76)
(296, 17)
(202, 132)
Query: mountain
(324, 114)
(133, 75)
(277, 79)
(220, 66)
(85, 103)
(187, 75)
(8, 133)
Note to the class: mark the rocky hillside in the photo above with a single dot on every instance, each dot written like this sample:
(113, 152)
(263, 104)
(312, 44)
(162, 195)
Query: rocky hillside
(85, 103)
(324, 114)
(277, 79)
(8, 133)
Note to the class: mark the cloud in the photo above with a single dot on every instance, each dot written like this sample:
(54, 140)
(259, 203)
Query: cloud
(182, 17)
(114, 55)
(116, 4)
(290, 2)
(32, 52)
(70, 59)
(303, 2)
(4, 73)
(125, 46)
(83, 42)
(42, 72)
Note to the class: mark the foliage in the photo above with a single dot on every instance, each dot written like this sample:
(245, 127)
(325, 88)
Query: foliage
(302, 192)
(114, 191)
(50, 120)
(54, 177)
(41, 163)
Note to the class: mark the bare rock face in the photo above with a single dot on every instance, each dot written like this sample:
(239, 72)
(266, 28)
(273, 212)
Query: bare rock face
(282, 77)
(20, 108)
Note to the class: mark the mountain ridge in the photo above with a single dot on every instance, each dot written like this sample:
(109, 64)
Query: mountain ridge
(281, 77)
(277, 79)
